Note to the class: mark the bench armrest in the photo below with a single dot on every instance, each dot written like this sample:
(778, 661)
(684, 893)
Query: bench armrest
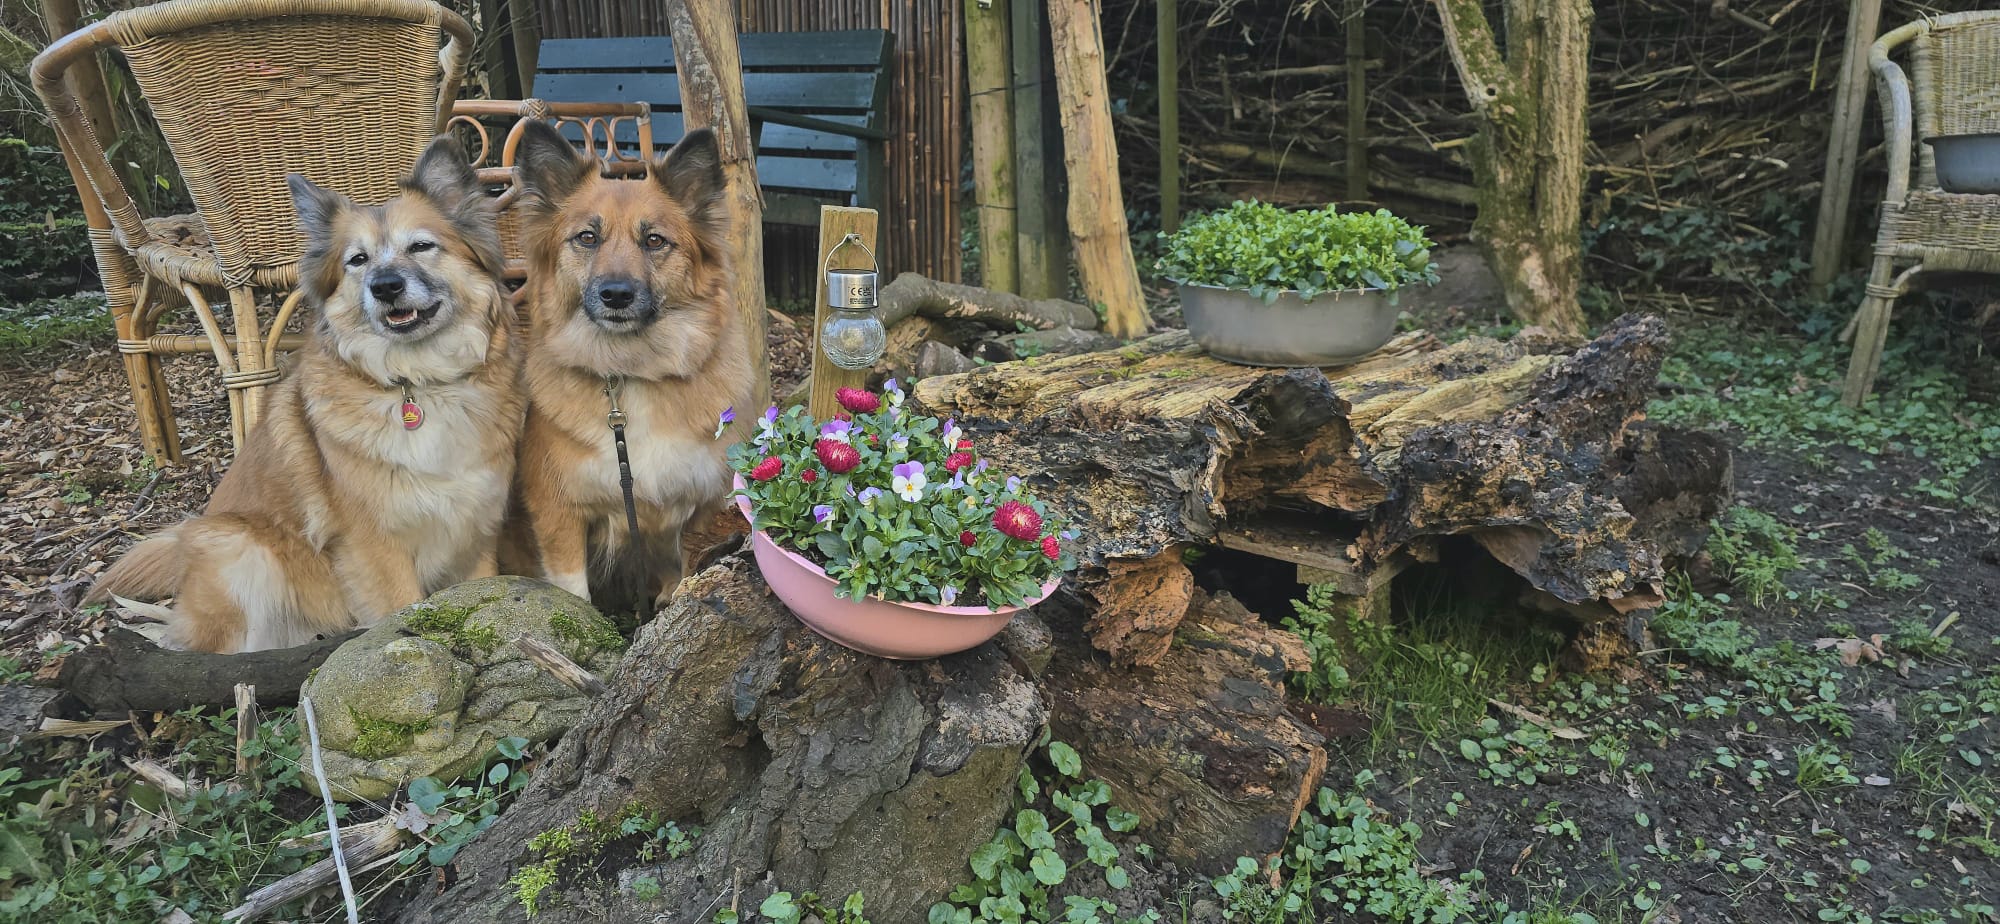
(781, 117)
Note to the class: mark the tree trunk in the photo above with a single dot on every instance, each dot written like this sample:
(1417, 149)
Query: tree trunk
(1097, 226)
(987, 58)
(1157, 447)
(1527, 160)
(711, 81)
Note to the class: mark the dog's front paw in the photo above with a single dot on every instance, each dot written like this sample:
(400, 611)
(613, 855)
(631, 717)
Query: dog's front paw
(574, 583)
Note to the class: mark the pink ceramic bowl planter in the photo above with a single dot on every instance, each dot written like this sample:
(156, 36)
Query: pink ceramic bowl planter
(872, 625)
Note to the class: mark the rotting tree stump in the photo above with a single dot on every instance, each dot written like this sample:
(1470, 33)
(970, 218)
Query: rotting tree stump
(1532, 447)
(809, 768)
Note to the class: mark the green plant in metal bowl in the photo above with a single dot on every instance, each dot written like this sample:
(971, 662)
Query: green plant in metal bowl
(1266, 250)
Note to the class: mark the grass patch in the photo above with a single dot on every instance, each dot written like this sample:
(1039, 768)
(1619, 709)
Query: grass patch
(1781, 393)
(30, 329)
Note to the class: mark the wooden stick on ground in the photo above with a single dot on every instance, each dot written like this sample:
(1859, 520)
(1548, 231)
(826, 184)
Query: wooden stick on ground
(246, 727)
(560, 667)
(381, 842)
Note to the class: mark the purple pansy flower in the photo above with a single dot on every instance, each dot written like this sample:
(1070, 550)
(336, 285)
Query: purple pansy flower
(893, 391)
(767, 426)
(837, 430)
(1013, 484)
(952, 434)
(908, 480)
(899, 442)
(868, 495)
(823, 515)
(722, 422)
(947, 595)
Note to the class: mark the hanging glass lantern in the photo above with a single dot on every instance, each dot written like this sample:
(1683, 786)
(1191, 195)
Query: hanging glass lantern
(853, 336)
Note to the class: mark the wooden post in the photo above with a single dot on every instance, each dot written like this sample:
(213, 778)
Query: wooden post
(1097, 225)
(711, 79)
(986, 65)
(525, 23)
(1038, 243)
(835, 223)
(85, 77)
(1850, 100)
(1357, 100)
(1169, 44)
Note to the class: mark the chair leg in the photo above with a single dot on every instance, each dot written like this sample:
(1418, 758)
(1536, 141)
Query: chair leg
(1872, 329)
(225, 361)
(144, 375)
(253, 374)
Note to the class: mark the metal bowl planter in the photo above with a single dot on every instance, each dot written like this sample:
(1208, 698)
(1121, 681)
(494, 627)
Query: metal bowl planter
(1967, 163)
(1331, 329)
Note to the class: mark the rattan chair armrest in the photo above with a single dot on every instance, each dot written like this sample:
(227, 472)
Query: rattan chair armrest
(453, 59)
(73, 131)
(1897, 114)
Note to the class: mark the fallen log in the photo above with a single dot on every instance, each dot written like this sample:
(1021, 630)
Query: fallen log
(911, 294)
(1522, 445)
(1202, 746)
(127, 672)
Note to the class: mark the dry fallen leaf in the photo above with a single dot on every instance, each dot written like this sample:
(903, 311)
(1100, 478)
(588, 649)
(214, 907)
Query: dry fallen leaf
(1853, 651)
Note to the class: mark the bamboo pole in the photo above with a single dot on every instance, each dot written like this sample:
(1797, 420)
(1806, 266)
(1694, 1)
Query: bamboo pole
(1850, 100)
(1357, 100)
(525, 24)
(710, 68)
(1037, 242)
(835, 223)
(1097, 228)
(1170, 114)
(986, 63)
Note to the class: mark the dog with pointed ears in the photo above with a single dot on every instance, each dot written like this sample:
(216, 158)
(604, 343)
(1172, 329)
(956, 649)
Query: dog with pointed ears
(629, 311)
(381, 471)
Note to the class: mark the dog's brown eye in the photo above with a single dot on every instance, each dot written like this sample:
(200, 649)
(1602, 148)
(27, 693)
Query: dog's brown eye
(421, 246)
(357, 259)
(656, 242)
(587, 238)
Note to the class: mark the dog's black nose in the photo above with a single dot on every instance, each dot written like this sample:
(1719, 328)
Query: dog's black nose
(387, 287)
(617, 295)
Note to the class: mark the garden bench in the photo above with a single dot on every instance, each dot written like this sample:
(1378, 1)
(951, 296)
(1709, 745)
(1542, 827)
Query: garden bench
(816, 100)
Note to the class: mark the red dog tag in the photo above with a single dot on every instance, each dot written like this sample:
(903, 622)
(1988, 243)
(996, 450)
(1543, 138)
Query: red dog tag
(413, 416)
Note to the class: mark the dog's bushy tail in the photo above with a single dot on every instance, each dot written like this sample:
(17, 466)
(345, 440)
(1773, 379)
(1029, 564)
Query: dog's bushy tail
(149, 571)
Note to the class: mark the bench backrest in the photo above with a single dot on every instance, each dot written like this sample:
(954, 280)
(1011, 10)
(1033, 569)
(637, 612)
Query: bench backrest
(831, 86)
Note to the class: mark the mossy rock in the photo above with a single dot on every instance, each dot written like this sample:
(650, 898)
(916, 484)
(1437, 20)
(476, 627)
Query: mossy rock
(432, 689)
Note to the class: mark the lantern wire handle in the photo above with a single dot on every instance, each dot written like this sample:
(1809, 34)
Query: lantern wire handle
(826, 265)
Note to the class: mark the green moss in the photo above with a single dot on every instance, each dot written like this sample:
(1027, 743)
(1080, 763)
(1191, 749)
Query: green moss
(452, 627)
(582, 634)
(375, 739)
(582, 840)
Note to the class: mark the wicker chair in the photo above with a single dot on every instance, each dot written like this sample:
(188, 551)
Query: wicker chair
(1953, 89)
(347, 92)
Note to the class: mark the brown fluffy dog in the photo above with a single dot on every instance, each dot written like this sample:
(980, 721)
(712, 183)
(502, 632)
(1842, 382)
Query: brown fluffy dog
(627, 291)
(338, 512)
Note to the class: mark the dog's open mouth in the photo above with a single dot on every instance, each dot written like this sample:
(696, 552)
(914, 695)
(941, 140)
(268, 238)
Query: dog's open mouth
(405, 319)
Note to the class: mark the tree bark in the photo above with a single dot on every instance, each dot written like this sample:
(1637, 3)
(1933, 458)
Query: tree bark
(1527, 160)
(1525, 445)
(1097, 226)
(1202, 747)
(711, 80)
(807, 766)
